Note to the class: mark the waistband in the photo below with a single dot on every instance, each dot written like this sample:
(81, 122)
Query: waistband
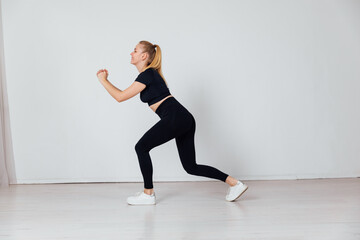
(164, 104)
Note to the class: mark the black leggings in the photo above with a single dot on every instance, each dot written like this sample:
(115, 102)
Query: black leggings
(176, 122)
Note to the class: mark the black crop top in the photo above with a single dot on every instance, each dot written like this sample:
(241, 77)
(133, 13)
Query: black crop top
(155, 89)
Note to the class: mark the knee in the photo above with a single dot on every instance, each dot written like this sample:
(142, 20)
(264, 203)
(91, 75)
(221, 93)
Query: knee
(139, 147)
(191, 169)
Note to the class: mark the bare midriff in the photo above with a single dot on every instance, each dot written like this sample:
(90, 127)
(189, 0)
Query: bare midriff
(157, 104)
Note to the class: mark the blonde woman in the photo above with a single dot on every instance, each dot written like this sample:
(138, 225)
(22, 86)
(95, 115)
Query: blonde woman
(175, 122)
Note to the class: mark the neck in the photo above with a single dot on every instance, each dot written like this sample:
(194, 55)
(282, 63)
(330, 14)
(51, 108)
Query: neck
(140, 67)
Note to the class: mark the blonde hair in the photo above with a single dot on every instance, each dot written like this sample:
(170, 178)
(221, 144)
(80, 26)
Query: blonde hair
(154, 56)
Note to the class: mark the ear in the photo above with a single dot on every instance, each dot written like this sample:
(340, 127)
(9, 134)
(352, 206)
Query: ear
(144, 56)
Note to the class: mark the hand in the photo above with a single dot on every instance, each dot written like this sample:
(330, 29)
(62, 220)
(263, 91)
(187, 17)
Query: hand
(102, 74)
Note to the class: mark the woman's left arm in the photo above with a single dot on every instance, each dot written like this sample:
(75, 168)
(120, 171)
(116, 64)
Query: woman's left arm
(116, 93)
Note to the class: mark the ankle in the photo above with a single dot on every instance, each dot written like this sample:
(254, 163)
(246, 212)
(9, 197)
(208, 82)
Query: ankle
(231, 181)
(149, 191)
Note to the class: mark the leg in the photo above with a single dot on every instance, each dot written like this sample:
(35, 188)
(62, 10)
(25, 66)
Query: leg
(186, 148)
(231, 181)
(160, 133)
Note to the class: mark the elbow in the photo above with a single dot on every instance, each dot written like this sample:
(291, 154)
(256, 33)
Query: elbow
(119, 98)
(122, 97)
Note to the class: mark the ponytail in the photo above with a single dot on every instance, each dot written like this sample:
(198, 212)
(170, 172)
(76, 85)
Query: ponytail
(154, 52)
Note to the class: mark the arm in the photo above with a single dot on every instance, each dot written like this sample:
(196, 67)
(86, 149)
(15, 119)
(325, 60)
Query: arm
(114, 91)
(131, 91)
(118, 94)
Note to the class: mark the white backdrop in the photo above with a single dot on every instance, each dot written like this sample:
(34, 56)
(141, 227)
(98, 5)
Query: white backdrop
(273, 86)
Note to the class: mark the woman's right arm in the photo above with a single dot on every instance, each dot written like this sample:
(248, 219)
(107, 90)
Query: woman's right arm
(131, 91)
(116, 93)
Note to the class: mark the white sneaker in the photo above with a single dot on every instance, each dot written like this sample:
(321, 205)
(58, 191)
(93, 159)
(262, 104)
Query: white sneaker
(236, 191)
(141, 198)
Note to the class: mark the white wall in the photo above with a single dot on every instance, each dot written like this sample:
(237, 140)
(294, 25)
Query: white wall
(273, 85)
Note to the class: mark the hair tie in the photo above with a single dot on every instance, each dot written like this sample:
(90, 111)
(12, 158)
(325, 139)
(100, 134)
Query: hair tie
(154, 45)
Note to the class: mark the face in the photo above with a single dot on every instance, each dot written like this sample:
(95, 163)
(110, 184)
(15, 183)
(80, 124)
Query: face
(137, 55)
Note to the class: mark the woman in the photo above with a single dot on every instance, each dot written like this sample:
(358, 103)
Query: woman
(175, 122)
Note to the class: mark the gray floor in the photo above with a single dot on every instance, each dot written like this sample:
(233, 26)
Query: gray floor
(283, 209)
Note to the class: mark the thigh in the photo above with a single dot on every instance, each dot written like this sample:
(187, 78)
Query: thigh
(186, 147)
(158, 134)
(182, 121)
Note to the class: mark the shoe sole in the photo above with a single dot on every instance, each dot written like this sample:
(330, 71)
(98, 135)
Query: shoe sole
(142, 204)
(240, 194)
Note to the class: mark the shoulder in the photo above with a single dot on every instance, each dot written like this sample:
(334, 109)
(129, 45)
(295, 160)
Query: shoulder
(147, 71)
(146, 76)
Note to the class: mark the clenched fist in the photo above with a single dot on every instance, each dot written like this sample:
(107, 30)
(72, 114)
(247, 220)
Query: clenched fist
(102, 74)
